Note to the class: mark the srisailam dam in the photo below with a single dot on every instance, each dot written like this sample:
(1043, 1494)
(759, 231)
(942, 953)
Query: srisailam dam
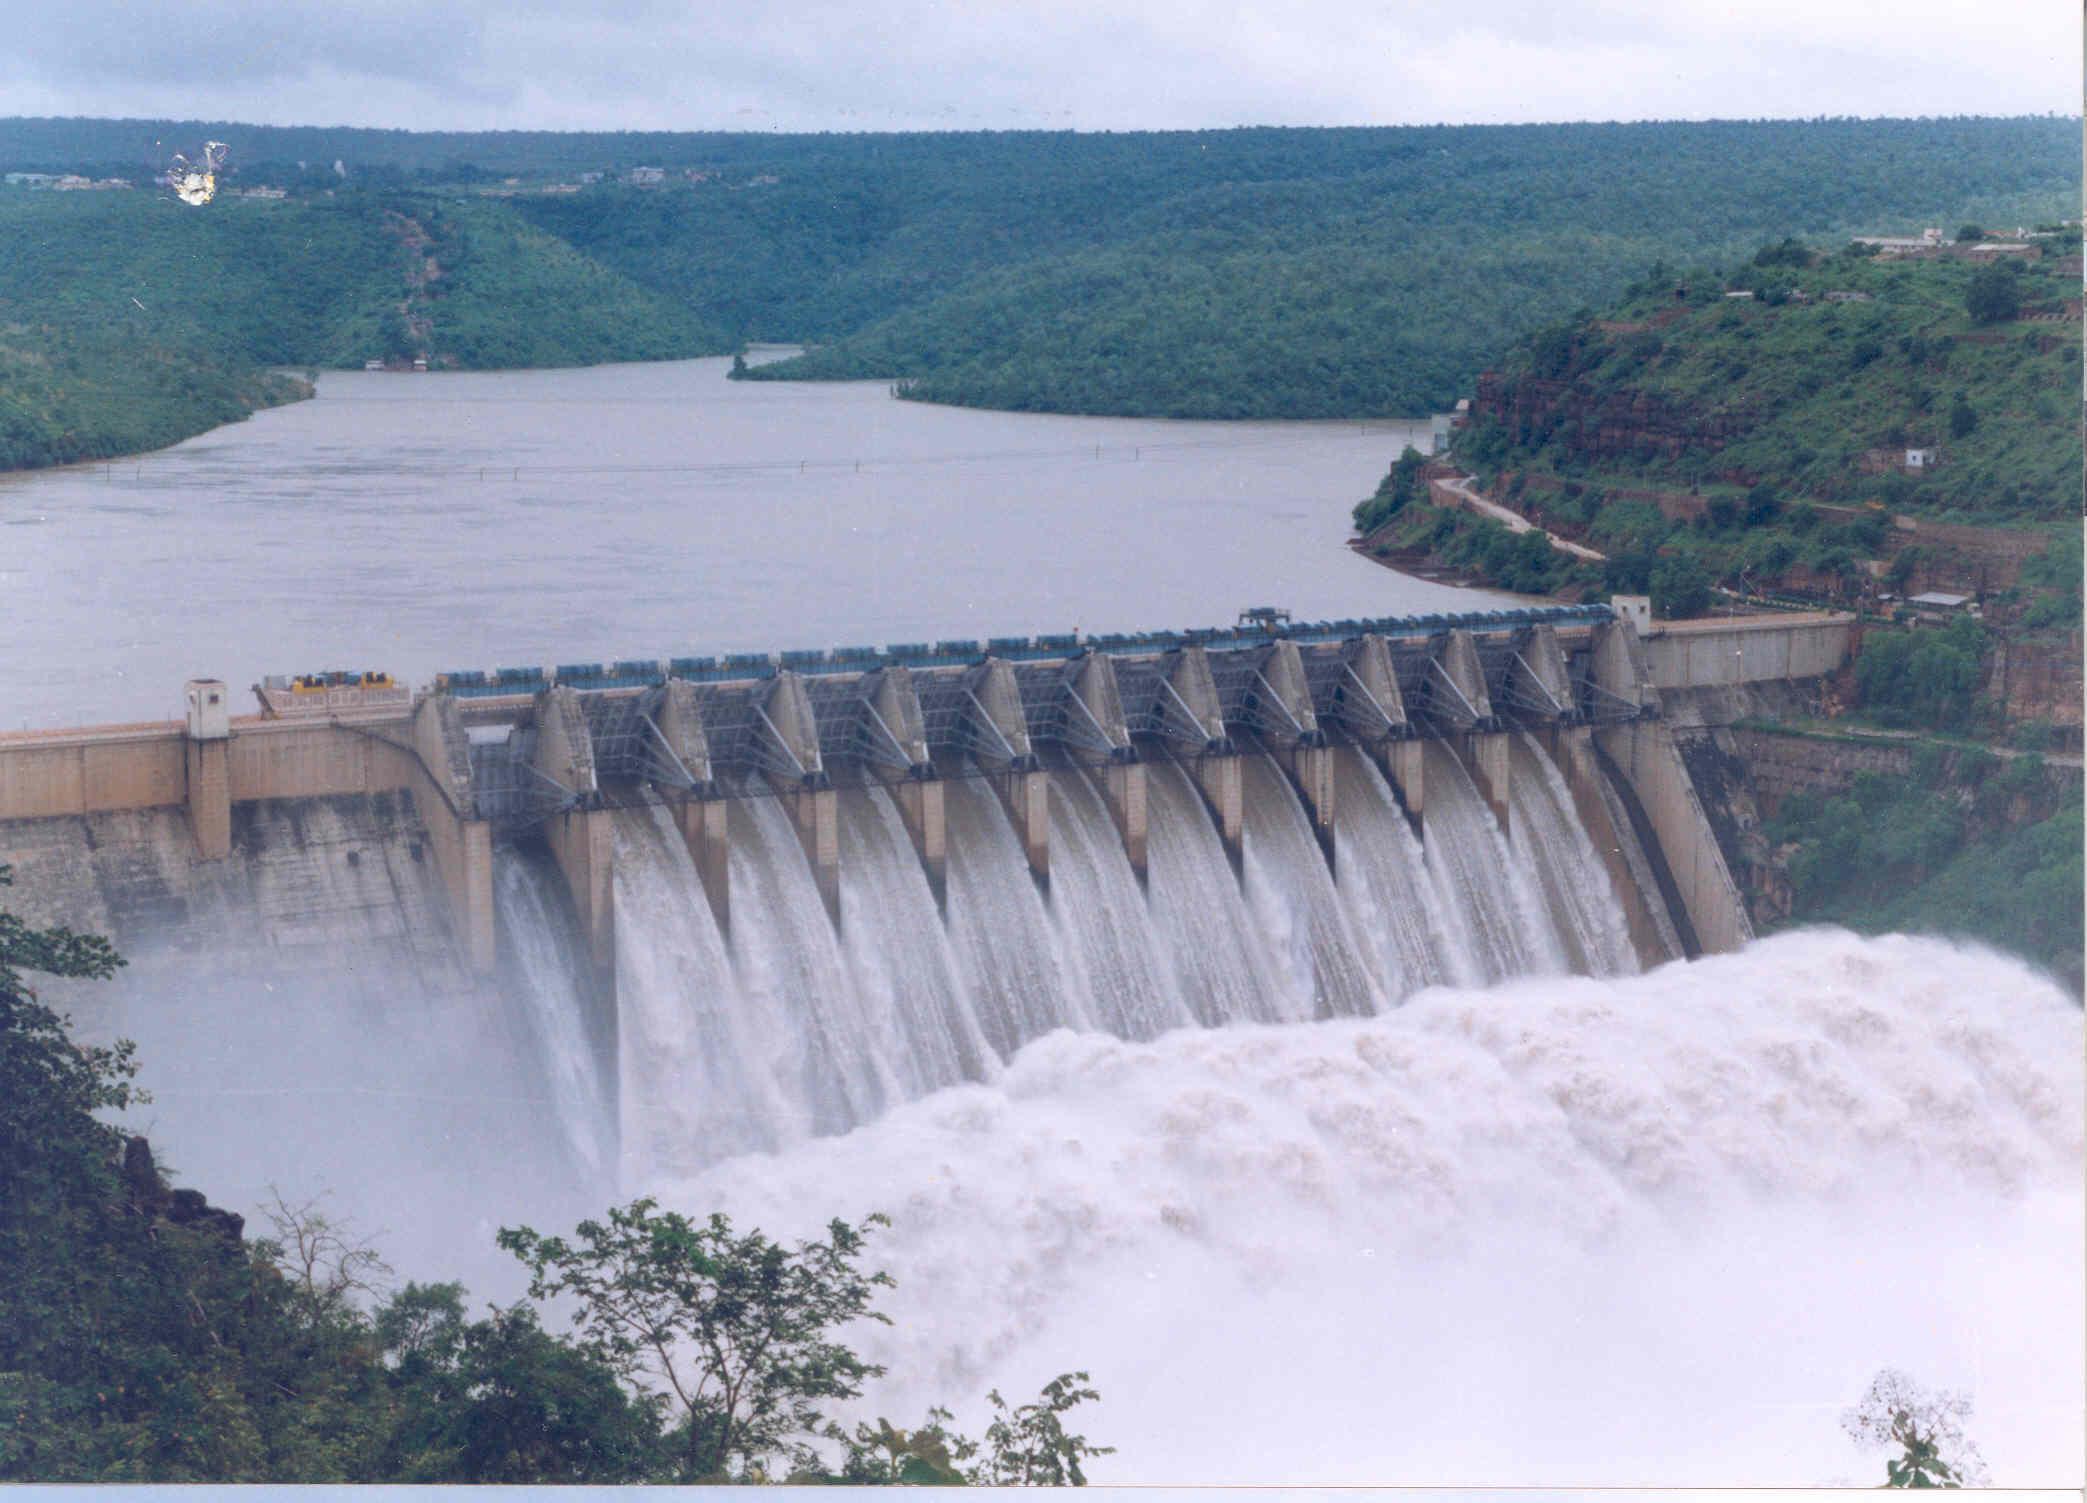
(717, 904)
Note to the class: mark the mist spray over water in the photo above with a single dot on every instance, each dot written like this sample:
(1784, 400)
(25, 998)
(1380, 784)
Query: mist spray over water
(1661, 1226)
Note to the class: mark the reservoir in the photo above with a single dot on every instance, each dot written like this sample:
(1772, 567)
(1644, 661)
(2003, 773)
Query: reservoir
(423, 523)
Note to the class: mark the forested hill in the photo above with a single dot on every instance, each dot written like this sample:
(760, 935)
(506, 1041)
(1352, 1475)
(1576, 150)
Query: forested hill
(1380, 282)
(1254, 272)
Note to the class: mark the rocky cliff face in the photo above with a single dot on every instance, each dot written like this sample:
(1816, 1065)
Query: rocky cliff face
(1624, 423)
(150, 1195)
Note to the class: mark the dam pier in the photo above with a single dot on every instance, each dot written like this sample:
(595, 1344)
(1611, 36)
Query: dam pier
(482, 758)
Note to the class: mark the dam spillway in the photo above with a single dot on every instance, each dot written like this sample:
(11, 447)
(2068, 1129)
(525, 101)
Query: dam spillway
(718, 905)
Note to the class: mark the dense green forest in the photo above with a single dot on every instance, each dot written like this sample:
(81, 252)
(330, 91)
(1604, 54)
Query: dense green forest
(1253, 272)
(145, 1337)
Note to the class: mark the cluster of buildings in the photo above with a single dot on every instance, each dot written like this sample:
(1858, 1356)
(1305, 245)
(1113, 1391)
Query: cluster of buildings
(1930, 242)
(64, 182)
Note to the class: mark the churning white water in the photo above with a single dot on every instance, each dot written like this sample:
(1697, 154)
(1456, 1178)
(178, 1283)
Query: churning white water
(1659, 1228)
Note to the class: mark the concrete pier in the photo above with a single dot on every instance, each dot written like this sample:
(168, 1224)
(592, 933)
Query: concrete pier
(1103, 738)
(1683, 849)
(1485, 756)
(788, 731)
(582, 835)
(208, 769)
(463, 844)
(995, 730)
(1403, 767)
(893, 708)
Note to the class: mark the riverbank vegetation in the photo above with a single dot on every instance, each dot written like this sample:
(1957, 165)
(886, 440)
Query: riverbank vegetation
(144, 1337)
(1245, 273)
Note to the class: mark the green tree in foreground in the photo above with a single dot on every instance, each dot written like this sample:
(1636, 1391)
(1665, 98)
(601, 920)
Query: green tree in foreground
(737, 1328)
(1927, 1428)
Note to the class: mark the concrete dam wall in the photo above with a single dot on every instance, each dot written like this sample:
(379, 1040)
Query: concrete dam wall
(731, 902)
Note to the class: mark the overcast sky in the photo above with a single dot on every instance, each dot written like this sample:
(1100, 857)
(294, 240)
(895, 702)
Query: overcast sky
(1086, 64)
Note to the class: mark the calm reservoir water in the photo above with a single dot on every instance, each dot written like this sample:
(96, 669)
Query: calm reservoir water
(419, 523)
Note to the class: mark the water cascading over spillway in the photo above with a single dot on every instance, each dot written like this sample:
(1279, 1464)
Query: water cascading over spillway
(1220, 957)
(1416, 938)
(793, 1029)
(1548, 840)
(703, 1075)
(542, 969)
(916, 1010)
(791, 967)
(1476, 870)
(1104, 925)
(1292, 891)
(1007, 949)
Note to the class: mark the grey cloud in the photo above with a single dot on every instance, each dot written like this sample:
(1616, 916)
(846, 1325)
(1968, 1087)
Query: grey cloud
(890, 64)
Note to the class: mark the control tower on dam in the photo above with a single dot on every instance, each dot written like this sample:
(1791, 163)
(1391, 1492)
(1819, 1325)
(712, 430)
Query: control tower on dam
(99, 821)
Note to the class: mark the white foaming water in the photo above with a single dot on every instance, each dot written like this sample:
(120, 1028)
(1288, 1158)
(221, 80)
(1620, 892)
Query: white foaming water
(1471, 862)
(1291, 889)
(1104, 927)
(1548, 841)
(1219, 955)
(540, 955)
(900, 964)
(1659, 1228)
(700, 1070)
(1006, 950)
(1416, 937)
